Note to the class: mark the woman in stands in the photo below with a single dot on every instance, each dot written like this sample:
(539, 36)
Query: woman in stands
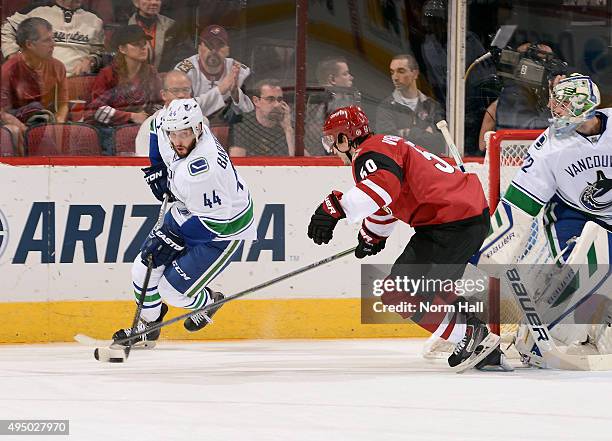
(127, 91)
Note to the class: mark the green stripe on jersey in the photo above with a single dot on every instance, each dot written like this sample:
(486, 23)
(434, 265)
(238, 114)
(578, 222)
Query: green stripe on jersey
(233, 226)
(523, 201)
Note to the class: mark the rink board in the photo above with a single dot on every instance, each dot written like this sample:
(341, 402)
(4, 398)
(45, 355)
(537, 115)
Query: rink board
(70, 228)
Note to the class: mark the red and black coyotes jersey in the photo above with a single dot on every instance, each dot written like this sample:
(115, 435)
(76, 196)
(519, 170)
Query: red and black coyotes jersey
(398, 180)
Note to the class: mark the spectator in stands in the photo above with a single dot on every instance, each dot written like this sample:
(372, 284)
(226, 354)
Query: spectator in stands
(337, 91)
(407, 112)
(33, 86)
(268, 130)
(176, 85)
(519, 106)
(334, 71)
(127, 91)
(164, 42)
(216, 78)
(78, 34)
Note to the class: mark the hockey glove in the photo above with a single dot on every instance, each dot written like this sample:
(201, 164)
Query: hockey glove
(369, 243)
(163, 245)
(157, 178)
(325, 218)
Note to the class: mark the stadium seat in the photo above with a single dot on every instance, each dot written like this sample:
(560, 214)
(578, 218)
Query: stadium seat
(7, 146)
(222, 134)
(125, 137)
(62, 139)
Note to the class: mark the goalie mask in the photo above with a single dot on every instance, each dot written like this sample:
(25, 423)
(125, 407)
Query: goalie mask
(573, 101)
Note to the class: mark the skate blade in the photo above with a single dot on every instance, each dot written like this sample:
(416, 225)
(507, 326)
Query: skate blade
(503, 366)
(490, 342)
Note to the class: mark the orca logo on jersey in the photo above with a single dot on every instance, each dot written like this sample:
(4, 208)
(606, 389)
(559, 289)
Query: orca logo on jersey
(197, 166)
(3, 233)
(591, 196)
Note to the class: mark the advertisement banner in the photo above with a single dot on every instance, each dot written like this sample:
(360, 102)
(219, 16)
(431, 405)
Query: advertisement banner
(72, 232)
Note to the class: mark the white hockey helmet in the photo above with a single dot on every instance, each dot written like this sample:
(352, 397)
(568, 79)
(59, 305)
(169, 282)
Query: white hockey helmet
(184, 114)
(573, 101)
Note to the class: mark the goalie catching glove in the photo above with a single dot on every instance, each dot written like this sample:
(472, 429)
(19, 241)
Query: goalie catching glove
(163, 246)
(369, 243)
(325, 218)
(157, 178)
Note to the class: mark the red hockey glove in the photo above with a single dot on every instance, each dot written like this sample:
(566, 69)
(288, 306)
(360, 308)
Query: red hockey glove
(369, 243)
(325, 218)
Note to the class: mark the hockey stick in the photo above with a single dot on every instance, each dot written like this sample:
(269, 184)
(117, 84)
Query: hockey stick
(145, 284)
(443, 127)
(545, 343)
(117, 355)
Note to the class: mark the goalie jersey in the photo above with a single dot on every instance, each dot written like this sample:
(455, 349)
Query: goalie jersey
(576, 169)
(213, 200)
(399, 180)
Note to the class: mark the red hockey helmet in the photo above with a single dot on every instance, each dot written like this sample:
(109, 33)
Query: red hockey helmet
(350, 121)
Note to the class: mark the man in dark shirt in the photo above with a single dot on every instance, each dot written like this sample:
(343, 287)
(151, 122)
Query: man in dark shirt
(267, 131)
(408, 112)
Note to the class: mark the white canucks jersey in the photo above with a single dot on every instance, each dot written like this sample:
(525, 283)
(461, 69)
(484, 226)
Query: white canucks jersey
(577, 169)
(206, 92)
(207, 185)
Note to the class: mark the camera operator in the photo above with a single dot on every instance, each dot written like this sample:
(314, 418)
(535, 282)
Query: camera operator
(523, 104)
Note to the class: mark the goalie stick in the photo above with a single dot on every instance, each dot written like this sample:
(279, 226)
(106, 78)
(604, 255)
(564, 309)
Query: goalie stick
(118, 355)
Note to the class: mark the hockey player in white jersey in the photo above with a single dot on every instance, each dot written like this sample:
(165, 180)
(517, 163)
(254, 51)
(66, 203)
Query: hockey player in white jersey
(211, 215)
(567, 172)
(568, 169)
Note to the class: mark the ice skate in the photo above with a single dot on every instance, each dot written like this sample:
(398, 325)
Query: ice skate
(145, 341)
(477, 343)
(201, 319)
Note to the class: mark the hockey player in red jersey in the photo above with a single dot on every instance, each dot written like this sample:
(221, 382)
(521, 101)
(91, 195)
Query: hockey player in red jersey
(397, 180)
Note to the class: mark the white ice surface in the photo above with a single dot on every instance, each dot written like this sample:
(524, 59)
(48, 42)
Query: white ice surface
(358, 390)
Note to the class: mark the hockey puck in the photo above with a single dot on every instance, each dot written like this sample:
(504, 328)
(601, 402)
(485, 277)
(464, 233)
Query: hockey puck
(110, 355)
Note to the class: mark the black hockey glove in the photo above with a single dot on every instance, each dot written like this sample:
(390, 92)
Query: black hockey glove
(163, 245)
(157, 178)
(325, 218)
(369, 243)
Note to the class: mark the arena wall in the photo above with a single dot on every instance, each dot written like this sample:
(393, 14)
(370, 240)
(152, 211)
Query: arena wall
(72, 226)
